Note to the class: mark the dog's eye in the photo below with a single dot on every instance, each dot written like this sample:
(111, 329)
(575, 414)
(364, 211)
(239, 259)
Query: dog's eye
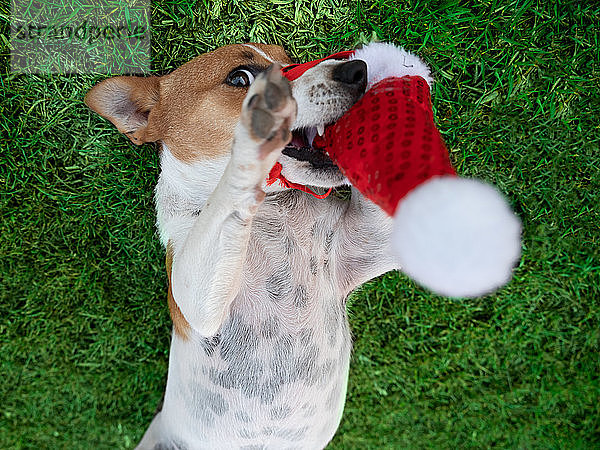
(240, 78)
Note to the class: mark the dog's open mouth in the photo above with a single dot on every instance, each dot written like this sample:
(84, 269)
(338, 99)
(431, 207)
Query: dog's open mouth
(301, 148)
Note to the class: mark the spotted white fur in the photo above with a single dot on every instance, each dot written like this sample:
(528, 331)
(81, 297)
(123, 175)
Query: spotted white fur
(266, 362)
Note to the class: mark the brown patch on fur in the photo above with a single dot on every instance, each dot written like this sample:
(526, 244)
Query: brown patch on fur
(180, 325)
(198, 111)
(192, 110)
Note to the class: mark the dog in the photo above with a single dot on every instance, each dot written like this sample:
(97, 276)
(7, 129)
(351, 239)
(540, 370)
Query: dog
(258, 275)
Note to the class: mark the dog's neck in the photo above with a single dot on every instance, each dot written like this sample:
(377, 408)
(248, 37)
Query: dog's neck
(183, 189)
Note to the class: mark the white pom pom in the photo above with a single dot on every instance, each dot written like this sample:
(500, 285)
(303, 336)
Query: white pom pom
(457, 237)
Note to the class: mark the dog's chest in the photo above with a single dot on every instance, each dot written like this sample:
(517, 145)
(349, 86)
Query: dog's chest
(276, 373)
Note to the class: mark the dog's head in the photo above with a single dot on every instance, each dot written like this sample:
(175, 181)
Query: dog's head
(193, 110)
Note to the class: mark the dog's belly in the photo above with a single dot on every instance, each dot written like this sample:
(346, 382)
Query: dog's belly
(279, 383)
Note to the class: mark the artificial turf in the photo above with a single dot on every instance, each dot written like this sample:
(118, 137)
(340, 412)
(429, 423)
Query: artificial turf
(84, 327)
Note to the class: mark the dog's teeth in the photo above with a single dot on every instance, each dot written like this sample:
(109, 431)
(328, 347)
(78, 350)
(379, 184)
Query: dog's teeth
(310, 135)
(321, 130)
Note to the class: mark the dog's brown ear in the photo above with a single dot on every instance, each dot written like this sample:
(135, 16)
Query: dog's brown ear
(126, 102)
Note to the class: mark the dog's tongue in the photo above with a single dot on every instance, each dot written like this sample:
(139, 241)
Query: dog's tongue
(387, 143)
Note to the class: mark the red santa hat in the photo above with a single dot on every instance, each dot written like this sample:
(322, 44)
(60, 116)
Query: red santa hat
(456, 236)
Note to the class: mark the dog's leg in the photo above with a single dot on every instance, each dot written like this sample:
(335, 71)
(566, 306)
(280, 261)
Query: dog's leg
(363, 245)
(207, 265)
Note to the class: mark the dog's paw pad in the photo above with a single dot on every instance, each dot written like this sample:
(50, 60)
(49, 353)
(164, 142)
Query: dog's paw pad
(262, 123)
(270, 110)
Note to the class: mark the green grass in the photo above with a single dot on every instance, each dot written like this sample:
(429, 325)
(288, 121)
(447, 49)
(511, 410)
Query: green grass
(84, 327)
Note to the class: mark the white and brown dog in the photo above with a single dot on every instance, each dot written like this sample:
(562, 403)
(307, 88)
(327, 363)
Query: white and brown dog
(258, 276)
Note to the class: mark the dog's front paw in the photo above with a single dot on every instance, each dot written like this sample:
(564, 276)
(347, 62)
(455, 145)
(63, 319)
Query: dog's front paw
(268, 113)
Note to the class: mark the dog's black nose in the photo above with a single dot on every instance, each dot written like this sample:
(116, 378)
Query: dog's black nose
(353, 73)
